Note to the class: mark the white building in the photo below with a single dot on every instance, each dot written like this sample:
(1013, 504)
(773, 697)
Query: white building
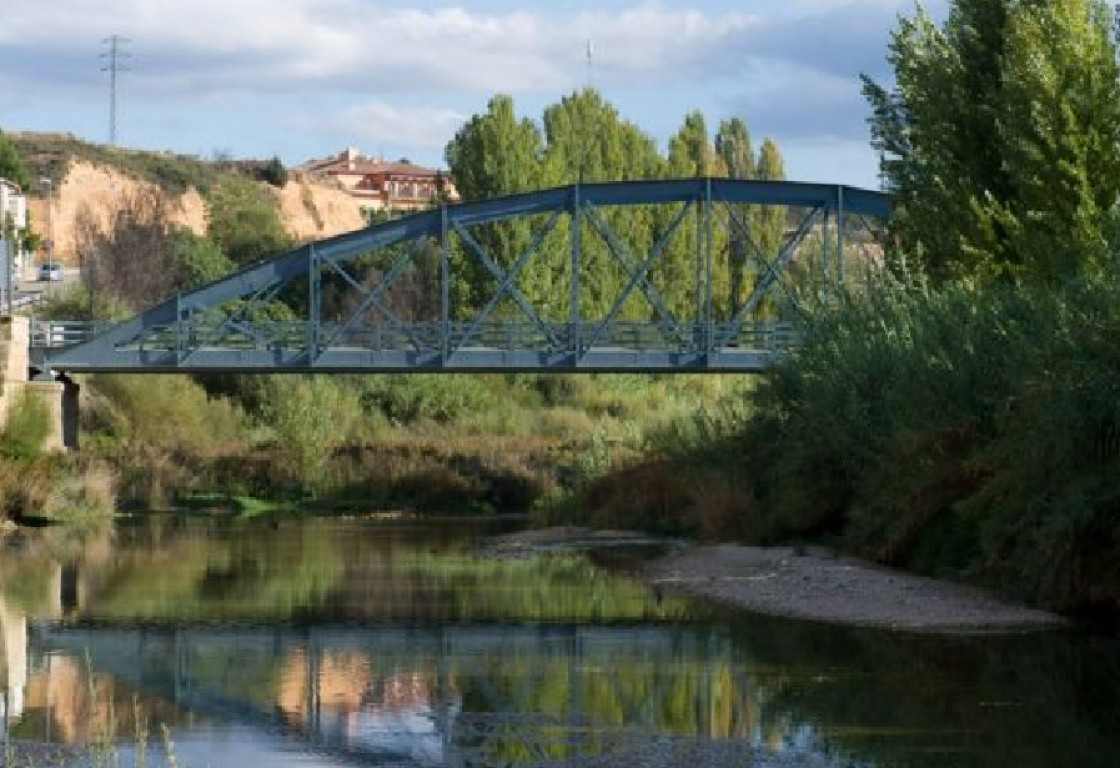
(13, 213)
(13, 203)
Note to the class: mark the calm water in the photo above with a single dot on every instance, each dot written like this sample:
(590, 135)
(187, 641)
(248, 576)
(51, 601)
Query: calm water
(323, 643)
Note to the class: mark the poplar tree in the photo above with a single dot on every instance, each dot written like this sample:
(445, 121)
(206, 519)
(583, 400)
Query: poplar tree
(733, 145)
(1059, 121)
(587, 140)
(768, 222)
(493, 154)
(1000, 140)
(691, 155)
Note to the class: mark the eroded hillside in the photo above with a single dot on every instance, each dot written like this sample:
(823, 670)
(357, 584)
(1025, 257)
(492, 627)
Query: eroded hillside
(91, 190)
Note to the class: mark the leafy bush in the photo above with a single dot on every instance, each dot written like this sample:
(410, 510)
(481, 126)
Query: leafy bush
(275, 173)
(245, 221)
(407, 399)
(954, 431)
(27, 427)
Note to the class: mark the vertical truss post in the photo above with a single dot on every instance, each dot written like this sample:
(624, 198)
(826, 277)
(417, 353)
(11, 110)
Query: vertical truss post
(708, 246)
(315, 301)
(180, 333)
(826, 274)
(840, 234)
(698, 271)
(577, 251)
(444, 287)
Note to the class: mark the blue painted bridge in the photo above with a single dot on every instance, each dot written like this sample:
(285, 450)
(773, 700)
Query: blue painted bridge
(654, 276)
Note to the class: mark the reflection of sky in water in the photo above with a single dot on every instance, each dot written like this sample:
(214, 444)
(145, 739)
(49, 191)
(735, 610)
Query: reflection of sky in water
(413, 731)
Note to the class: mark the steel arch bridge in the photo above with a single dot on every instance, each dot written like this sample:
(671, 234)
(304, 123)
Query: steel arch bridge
(449, 289)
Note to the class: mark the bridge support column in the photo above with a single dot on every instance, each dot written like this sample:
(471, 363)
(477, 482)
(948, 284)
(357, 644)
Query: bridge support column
(70, 414)
(51, 395)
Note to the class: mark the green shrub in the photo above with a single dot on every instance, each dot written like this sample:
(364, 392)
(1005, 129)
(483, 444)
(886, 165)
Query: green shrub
(27, 428)
(955, 431)
(407, 399)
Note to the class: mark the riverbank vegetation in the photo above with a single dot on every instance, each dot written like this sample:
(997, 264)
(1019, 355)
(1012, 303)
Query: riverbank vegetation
(450, 444)
(955, 411)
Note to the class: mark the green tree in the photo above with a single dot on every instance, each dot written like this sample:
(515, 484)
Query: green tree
(11, 164)
(733, 145)
(691, 152)
(199, 260)
(691, 155)
(244, 221)
(493, 154)
(275, 173)
(768, 222)
(1007, 108)
(1059, 125)
(587, 140)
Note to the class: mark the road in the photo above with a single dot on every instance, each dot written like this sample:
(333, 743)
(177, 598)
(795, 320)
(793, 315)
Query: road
(30, 291)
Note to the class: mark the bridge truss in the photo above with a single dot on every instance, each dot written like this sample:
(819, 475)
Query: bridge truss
(582, 278)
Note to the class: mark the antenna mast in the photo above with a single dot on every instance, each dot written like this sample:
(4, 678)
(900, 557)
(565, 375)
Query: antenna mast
(590, 64)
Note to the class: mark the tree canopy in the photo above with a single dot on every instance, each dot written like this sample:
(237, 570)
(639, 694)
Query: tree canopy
(11, 164)
(584, 138)
(1001, 139)
(244, 221)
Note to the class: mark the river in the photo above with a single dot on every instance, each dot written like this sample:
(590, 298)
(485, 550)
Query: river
(391, 643)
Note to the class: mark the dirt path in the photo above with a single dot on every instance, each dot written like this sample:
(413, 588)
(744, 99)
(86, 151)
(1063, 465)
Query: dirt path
(819, 587)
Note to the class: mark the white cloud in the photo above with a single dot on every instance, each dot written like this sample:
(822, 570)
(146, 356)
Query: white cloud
(401, 75)
(399, 129)
(204, 44)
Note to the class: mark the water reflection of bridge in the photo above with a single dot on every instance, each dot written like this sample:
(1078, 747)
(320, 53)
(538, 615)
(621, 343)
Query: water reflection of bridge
(433, 696)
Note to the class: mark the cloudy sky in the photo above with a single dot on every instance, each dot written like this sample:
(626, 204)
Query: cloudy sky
(306, 78)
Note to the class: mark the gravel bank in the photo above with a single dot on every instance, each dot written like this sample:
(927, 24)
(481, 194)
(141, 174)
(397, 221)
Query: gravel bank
(816, 586)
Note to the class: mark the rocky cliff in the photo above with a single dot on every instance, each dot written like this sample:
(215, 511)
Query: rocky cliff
(309, 210)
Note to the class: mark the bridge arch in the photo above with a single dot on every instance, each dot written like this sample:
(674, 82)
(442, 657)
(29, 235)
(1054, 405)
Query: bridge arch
(273, 316)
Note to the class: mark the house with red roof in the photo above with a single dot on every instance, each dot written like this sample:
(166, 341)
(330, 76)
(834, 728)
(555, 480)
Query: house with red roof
(387, 186)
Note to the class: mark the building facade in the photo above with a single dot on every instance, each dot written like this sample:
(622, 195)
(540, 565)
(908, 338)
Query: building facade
(13, 206)
(13, 225)
(399, 186)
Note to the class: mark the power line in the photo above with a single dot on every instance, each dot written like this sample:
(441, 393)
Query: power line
(115, 58)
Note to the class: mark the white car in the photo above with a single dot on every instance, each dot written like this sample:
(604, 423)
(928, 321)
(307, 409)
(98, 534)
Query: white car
(50, 272)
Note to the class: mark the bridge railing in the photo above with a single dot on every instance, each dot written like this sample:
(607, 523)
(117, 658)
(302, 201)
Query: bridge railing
(434, 335)
(55, 334)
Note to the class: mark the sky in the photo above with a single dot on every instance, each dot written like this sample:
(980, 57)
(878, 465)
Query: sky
(307, 78)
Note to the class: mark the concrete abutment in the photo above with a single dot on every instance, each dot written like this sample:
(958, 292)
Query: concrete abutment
(60, 398)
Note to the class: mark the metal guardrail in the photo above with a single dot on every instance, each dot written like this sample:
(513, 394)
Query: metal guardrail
(19, 302)
(57, 334)
(544, 337)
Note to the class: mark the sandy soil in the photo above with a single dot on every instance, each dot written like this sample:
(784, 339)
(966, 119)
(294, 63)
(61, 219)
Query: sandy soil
(308, 210)
(814, 585)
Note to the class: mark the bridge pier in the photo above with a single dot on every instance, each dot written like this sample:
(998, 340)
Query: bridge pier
(50, 394)
(60, 398)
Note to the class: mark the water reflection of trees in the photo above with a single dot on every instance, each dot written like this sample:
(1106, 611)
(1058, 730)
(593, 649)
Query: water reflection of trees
(933, 700)
(396, 634)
